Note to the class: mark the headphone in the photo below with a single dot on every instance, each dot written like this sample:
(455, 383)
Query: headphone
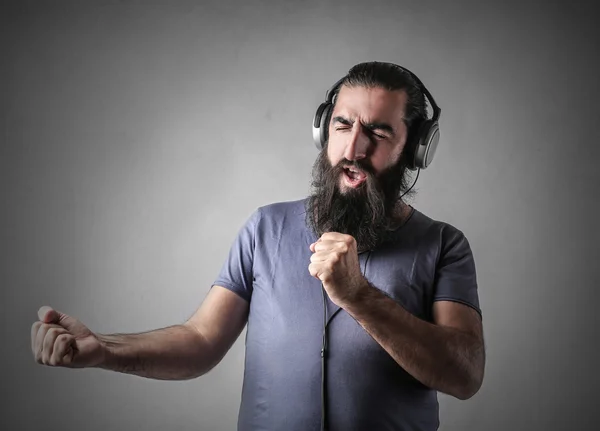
(420, 146)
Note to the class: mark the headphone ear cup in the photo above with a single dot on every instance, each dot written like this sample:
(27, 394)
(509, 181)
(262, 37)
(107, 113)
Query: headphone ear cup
(325, 119)
(320, 124)
(425, 144)
(410, 147)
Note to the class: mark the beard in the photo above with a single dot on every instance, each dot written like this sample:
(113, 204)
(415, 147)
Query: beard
(367, 213)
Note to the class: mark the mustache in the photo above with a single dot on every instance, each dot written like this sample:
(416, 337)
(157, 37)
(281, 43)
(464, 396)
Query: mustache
(363, 165)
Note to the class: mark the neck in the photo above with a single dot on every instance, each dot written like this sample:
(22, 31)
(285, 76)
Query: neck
(402, 212)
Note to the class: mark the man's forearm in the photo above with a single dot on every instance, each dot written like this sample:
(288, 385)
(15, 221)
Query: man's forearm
(441, 358)
(174, 353)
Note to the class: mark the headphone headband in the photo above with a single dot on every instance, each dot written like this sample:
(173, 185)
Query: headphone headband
(330, 94)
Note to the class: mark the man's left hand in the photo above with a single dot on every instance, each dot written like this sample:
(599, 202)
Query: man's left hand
(335, 263)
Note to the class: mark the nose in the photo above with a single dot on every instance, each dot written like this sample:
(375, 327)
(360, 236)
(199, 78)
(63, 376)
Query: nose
(358, 143)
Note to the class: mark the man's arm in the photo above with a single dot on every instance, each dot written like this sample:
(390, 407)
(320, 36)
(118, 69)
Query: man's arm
(447, 355)
(174, 353)
(182, 351)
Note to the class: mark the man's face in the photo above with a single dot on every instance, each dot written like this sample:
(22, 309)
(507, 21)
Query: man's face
(366, 126)
(358, 177)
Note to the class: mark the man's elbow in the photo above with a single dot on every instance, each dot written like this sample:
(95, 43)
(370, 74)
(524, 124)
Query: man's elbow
(469, 387)
(465, 393)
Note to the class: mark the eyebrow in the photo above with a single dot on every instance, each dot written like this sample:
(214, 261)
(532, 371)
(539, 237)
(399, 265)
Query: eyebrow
(371, 126)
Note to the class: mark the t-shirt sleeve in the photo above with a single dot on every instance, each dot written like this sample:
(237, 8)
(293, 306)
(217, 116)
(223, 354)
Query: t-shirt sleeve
(456, 277)
(237, 271)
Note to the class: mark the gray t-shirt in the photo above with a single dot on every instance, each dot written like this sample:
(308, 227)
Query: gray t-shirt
(423, 261)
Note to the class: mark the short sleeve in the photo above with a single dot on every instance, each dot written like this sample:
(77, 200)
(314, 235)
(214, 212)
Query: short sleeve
(237, 271)
(456, 277)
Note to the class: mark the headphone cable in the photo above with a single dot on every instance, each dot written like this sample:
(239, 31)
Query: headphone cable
(413, 184)
(323, 365)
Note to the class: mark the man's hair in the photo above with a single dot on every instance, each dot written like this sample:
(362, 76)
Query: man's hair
(390, 77)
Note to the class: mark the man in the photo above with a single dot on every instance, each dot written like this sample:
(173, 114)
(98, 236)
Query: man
(359, 307)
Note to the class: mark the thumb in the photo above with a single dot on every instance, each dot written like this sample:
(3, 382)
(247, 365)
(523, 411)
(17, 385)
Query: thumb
(50, 315)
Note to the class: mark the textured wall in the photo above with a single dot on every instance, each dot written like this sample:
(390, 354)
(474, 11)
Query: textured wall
(136, 137)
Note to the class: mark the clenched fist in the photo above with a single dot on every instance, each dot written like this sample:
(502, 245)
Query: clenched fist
(335, 262)
(59, 340)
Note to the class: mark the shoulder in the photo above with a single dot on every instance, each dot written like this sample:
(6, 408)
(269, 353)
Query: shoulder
(426, 225)
(279, 212)
(437, 236)
(277, 209)
(273, 217)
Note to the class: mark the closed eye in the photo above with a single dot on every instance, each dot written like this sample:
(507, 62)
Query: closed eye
(381, 127)
(343, 124)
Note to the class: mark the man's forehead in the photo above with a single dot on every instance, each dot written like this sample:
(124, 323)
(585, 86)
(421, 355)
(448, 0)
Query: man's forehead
(371, 101)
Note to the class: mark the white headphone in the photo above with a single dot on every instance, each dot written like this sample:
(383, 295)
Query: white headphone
(421, 147)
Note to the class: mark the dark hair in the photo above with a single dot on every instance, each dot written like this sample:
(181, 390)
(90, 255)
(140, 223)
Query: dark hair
(390, 77)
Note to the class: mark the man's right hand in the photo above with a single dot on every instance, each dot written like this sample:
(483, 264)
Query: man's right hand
(59, 340)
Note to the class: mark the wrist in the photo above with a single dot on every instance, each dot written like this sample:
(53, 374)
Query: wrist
(357, 294)
(106, 356)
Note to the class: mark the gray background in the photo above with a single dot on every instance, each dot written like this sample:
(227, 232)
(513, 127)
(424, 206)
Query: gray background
(136, 138)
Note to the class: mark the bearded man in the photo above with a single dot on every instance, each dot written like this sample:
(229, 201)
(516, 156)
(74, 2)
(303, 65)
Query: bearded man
(359, 307)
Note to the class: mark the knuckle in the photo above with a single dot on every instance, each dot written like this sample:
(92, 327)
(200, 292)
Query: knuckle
(63, 337)
(42, 329)
(51, 336)
(61, 342)
(53, 332)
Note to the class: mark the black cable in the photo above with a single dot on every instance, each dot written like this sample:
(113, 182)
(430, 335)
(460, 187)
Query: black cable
(323, 365)
(324, 352)
(413, 184)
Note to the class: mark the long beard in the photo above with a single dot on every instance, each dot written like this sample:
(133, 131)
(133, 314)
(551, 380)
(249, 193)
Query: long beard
(367, 213)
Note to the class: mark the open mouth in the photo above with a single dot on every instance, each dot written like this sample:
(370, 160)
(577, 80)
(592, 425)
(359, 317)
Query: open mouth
(354, 177)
